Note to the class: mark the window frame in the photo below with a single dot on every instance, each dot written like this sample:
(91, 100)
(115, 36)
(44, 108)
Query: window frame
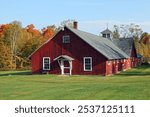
(114, 61)
(85, 65)
(44, 63)
(108, 62)
(65, 41)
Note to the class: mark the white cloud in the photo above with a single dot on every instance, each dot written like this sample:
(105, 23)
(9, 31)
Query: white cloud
(96, 27)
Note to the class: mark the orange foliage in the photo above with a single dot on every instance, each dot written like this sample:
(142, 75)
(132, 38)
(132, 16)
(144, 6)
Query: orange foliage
(3, 28)
(145, 39)
(35, 32)
(48, 32)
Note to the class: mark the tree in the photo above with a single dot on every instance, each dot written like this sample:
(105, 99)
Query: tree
(126, 31)
(143, 46)
(48, 32)
(12, 34)
(34, 32)
(116, 34)
(5, 57)
(145, 38)
(68, 22)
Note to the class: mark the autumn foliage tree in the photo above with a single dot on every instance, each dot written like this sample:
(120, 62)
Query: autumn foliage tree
(17, 43)
(31, 29)
(143, 47)
(48, 32)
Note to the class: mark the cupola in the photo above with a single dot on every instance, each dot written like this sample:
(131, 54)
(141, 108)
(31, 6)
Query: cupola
(107, 34)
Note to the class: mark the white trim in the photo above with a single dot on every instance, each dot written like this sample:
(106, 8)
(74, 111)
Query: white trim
(61, 60)
(108, 62)
(44, 64)
(114, 61)
(90, 64)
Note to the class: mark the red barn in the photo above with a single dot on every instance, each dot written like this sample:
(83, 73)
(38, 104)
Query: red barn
(72, 51)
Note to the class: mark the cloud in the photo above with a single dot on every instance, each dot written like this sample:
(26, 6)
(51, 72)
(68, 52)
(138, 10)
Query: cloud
(96, 27)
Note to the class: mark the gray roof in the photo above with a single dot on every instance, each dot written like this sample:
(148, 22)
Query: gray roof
(102, 45)
(107, 31)
(125, 44)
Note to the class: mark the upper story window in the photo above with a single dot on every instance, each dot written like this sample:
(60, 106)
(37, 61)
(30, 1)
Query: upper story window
(108, 35)
(104, 35)
(87, 63)
(66, 39)
(46, 63)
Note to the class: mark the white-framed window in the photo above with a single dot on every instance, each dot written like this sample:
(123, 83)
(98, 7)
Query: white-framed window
(117, 61)
(87, 63)
(132, 58)
(122, 60)
(113, 61)
(46, 63)
(66, 39)
(108, 62)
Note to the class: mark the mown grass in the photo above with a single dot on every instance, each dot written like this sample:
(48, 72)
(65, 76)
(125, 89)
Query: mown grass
(133, 84)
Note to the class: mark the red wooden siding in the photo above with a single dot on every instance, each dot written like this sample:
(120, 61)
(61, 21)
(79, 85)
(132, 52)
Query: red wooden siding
(109, 67)
(134, 60)
(77, 49)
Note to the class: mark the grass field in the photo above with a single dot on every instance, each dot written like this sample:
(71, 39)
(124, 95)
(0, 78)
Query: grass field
(133, 84)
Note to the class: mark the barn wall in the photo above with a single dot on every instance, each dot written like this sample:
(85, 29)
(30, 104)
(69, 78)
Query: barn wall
(77, 49)
(109, 69)
(134, 60)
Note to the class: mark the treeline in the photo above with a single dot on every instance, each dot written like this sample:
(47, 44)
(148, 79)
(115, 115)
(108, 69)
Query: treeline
(17, 43)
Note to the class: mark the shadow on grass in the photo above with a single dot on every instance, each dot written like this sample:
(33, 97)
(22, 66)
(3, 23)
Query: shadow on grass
(143, 70)
(16, 73)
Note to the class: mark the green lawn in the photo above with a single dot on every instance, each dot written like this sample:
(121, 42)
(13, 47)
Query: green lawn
(129, 85)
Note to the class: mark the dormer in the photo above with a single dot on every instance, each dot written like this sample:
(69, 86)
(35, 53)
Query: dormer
(107, 34)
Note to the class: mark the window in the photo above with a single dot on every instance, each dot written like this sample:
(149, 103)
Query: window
(132, 58)
(104, 35)
(113, 61)
(108, 62)
(117, 61)
(46, 63)
(66, 39)
(108, 35)
(122, 60)
(87, 63)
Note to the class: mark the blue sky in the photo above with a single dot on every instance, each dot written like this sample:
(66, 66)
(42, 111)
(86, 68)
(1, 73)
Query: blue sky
(92, 15)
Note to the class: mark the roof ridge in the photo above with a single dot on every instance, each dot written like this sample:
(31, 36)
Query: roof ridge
(99, 43)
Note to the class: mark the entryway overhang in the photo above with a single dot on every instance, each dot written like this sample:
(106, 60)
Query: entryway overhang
(64, 57)
(61, 61)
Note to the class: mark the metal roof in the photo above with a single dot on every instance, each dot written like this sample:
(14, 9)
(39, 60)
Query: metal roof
(125, 44)
(107, 31)
(102, 45)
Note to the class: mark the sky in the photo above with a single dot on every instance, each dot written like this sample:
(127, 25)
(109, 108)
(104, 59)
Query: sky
(92, 15)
